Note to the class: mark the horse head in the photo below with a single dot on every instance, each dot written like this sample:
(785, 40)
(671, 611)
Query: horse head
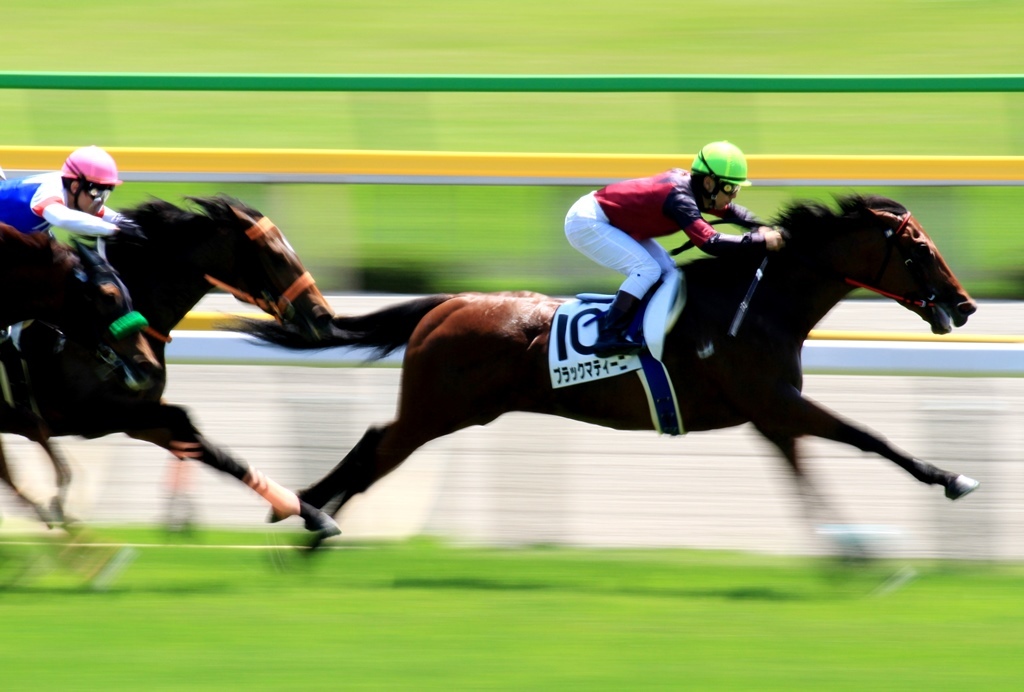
(106, 321)
(268, 273)
(920, 279)
(876, 244)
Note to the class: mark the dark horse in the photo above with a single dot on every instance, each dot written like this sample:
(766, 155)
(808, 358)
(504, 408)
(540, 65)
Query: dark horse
(70, 301)
(186, 254)
(472, 357)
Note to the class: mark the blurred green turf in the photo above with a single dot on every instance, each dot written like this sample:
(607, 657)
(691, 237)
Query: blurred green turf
(422, 616)
(442, 238)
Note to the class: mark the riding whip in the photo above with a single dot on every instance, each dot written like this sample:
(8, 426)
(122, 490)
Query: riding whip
(741, 311)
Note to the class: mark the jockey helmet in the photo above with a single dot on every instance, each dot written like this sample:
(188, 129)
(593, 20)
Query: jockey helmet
(724, 161)
(92, 164)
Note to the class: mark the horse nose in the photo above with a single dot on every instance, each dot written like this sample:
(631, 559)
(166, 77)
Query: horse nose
(967, 308)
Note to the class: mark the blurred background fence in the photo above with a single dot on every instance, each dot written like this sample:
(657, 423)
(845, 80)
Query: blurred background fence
(476, 171)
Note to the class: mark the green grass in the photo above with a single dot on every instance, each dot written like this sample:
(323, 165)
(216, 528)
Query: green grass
(401, 238)
(423, 616)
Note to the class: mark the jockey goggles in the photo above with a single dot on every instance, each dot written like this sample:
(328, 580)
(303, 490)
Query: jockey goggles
(97, 191)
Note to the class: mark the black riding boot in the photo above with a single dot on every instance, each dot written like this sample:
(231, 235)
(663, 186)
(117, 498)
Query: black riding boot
(612, 326)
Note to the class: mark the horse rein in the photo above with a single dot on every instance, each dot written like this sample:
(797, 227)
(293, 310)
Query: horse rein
(908, 262)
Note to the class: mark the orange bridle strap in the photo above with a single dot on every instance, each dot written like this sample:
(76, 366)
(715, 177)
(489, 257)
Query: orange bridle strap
(298, 287)
(259, 228)
(257, 232)
(150, 332)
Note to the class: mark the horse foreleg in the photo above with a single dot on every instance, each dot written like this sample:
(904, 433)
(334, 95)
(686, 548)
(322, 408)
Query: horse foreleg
(956, 485)
(171, 428)
(62, 472)
(32, 427)
(803, 417)
(8, 479)
(180, 511)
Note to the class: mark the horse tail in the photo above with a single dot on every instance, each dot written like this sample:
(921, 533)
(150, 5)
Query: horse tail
(384, 331)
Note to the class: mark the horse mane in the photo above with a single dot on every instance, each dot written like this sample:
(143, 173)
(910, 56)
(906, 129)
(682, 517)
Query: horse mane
(165, 223)
(808, 221)
(808, 225)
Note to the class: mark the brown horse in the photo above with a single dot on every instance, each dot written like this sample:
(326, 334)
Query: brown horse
(185, 255)
(472, 357)
(71, 300)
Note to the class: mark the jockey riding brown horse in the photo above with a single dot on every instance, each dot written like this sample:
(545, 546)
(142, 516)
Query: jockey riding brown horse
(470, 358)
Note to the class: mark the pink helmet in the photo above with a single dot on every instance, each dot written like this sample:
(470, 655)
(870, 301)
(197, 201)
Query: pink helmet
(93, 164)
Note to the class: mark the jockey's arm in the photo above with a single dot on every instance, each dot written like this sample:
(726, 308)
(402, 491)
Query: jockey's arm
(772, 237)
(705, 237)
(78, 222)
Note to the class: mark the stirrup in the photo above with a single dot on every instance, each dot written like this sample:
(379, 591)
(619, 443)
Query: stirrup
(616, 346)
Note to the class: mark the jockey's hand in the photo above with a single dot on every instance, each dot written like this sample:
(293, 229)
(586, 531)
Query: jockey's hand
(773, 238)
(129, 232)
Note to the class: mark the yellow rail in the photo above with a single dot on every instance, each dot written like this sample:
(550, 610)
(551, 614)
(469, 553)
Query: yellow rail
(210, 321)
(145, 163)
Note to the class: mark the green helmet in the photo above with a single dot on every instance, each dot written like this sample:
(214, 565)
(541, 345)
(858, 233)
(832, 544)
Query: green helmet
(724, 161)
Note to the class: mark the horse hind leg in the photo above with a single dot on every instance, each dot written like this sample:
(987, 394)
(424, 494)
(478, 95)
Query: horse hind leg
(354, 474)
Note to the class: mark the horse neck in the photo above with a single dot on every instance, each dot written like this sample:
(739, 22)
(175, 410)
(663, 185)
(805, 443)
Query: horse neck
(164, 308)
(164, 294)
(804, 296)
(165, 288)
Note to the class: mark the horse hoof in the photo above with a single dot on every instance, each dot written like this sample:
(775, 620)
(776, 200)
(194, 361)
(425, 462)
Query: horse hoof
(323, 524)
(960, 486)
(324, 527)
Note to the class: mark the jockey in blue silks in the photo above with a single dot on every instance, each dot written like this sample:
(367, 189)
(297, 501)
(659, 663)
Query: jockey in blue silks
(72, 198)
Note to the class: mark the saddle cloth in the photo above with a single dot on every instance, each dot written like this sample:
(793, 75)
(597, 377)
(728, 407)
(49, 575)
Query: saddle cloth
(571, 358)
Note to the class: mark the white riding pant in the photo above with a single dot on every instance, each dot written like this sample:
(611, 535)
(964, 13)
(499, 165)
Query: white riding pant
(642, 262)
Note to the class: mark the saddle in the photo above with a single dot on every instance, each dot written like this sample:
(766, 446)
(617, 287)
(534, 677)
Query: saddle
(571, 358)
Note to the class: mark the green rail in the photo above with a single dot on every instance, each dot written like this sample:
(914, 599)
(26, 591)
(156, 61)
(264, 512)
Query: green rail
(126, 81)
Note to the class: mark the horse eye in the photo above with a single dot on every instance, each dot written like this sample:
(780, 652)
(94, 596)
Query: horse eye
(922, 251)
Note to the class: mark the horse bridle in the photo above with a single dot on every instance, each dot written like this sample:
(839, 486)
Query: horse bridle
(915, 272)
(890, 238)
(280, 306)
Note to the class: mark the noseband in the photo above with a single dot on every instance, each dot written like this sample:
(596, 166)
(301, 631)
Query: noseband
(891, 237)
